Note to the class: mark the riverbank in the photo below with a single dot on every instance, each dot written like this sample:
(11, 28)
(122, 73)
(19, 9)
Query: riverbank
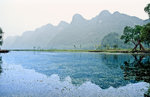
(70, 50)
(120, 51)
(4, 51)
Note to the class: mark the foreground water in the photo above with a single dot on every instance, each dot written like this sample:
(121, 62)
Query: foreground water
(65, 74)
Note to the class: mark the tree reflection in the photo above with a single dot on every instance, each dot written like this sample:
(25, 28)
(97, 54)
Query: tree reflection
(101, 69)
(0, 64)
(138, 69)
(114, 61)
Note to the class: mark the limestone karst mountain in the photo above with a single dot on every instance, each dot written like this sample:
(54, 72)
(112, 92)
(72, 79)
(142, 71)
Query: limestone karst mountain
(79, 34)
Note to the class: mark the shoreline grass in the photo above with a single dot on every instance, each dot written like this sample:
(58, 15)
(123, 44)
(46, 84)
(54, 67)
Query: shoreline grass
(73, 50)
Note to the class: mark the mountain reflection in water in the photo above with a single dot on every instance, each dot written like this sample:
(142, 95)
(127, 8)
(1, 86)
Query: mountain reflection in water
(97, 70)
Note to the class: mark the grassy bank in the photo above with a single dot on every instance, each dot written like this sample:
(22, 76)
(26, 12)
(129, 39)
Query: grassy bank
(70, 50)
(51, 50)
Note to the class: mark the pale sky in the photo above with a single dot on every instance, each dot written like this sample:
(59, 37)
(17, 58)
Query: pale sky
(17, 16)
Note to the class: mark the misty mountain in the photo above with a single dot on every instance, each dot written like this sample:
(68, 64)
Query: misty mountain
(79, 34)
(112, 40)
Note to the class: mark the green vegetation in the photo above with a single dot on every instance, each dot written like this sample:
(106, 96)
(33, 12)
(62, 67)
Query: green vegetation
(146, 34)
(71, 50)
(50, 50)
(147, 94)
(133, 35)
(146, 28)
(138, 34)
(115, 46)
(147, 9)
(1, 38)
(113, 41)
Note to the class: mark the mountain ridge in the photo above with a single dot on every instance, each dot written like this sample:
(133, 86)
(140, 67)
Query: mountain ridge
(80, 33)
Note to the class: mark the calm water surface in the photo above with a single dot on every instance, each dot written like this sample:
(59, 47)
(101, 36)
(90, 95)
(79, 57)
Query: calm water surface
(66, 74)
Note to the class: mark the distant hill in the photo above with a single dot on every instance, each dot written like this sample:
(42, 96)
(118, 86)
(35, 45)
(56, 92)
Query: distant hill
(147, 21)
(113, 41)
(79, 34)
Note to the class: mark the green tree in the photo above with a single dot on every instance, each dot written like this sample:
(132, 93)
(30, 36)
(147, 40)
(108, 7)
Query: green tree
(115, 46)
(74, 46)
(133, 35)
(1, 37)
(105, 46)
(145, 35)
(147, 9)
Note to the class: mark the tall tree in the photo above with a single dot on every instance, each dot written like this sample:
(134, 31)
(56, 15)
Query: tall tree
(1, 37)
(147, 9)
(133, 35)
(146, 34)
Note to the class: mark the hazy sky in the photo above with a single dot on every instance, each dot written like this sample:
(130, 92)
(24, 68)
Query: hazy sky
(17, 16)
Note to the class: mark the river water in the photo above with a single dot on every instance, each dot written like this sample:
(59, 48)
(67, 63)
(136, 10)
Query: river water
(68, 74)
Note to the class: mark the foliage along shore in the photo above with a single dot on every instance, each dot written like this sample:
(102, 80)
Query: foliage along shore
(71, 50)
(4, 51)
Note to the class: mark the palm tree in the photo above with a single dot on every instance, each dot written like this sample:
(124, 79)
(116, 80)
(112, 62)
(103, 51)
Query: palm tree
(147, 9)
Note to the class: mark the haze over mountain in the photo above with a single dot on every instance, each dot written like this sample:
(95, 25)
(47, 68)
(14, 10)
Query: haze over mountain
(79, 34)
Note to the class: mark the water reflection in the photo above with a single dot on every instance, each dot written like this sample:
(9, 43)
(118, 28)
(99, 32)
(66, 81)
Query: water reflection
(20, 82)
(113, 61)
(138, 70)
(101, 69)
(0, 64)
(104, 75)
